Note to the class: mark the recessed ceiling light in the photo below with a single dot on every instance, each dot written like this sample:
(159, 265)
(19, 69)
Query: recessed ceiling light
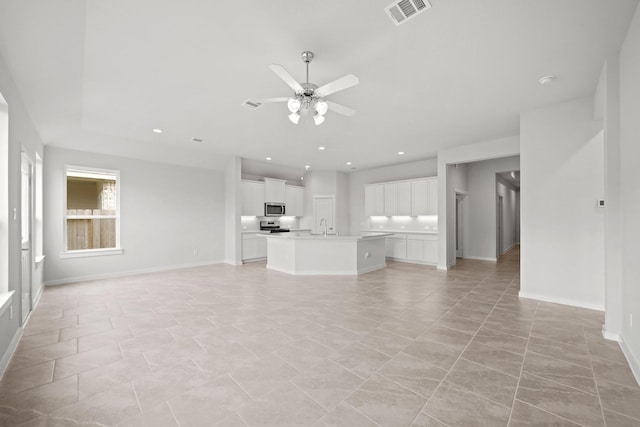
(320, 148)
(302, 178)
(268, 158)
(400, 153)
(546, 79)
(157, 130)
(306, 167)
(348, 163)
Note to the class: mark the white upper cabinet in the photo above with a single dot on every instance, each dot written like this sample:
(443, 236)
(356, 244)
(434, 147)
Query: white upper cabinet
(252, 198)
(424, 197)
(402, 198)
(294, 200)
(433, 196)
(391, 199)
(274, 190)
(374, 200)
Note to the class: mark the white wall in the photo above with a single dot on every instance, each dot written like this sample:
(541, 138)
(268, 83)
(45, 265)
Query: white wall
(562, 230)
(232, 209)
(342, 203)
(166, 211)
(630, 190)
(503, 147)
(481, 208)
(357, 180)
(22, 136)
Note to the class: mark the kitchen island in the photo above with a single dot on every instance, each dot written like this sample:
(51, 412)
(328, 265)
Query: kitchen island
(309, 254)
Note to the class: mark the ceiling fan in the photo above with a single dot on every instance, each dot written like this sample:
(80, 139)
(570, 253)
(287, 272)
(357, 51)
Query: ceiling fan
(308, 98)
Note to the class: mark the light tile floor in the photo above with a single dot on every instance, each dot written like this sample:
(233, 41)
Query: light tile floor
(243, 346)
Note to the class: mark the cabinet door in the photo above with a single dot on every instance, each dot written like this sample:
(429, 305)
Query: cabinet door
(252, 198)
(261, 247)
(415, 250)
(400, 248)
(374, 200)
(294, 200)
(432, 205)
(274, 190)
(419, 197)
(391, 199)
(404, 198)
(389, 245)
(249, 247)
(431, 251)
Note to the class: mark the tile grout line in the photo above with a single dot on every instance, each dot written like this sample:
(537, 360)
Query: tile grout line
(459, 357)
(524, 357)
(595, 380)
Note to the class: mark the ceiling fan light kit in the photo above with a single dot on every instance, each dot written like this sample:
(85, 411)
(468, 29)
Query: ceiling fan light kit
(308, 97)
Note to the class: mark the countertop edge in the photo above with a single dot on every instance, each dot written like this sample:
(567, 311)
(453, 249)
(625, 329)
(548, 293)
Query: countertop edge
(431, 232)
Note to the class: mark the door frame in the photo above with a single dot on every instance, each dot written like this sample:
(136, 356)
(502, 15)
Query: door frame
(27, 167)
(499, 224)
(459, 225)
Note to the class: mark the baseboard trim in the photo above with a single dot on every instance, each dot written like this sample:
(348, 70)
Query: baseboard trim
(13, 345)
(611, 336)
(563, 301)
(480, 258)
(634, 364)
(411, 261)
(504, 251)
(128, 273)
(328, 273)
(36, 300)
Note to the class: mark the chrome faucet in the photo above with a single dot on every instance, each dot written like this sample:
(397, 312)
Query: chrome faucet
(325, 226)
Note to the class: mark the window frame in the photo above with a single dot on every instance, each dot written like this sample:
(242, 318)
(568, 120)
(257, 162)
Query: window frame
(79, 253)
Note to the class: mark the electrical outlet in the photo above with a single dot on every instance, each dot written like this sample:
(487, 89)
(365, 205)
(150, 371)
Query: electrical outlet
(195, 251)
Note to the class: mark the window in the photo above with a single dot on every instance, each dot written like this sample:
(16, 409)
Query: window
(92, 212)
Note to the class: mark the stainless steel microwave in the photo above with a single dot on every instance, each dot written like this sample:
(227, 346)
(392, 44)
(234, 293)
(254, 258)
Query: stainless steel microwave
(274, 209)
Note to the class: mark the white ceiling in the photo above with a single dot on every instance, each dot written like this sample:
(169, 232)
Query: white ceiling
(99, 75)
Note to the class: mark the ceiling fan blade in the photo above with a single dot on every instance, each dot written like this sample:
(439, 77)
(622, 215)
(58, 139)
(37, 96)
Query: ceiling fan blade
(267, 100)
(337, 85)
(280, 71)
(340, 109)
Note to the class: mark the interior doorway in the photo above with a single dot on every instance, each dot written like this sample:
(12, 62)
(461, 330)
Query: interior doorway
(324, 215)
(459, 225)
(26, 202)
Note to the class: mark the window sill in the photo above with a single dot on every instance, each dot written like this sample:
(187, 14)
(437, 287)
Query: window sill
(5, 301)
(91, 252)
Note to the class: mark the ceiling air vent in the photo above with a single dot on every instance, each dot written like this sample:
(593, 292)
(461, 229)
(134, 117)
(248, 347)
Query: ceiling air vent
(251, 104)
(403, 10)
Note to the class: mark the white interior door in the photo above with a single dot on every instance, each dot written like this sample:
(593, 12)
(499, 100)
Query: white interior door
(26, 196)
(324, 214)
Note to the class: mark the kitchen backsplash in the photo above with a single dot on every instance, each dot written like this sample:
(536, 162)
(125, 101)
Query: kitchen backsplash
(252, 223)
(409, 223)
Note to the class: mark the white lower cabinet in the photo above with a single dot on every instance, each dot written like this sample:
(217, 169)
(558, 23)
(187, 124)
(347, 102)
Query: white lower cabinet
(417, 248)
(396, 246)
(254, 247)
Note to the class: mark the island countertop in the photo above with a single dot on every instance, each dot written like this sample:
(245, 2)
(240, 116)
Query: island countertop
(332, 237)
